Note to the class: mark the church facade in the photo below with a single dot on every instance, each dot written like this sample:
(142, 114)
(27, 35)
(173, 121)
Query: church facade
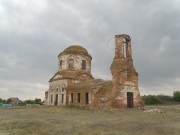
(73, 83)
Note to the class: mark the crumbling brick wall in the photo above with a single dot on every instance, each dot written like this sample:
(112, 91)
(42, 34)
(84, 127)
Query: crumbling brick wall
(125, 77)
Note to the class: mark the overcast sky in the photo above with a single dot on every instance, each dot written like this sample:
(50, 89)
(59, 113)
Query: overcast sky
(34, 32)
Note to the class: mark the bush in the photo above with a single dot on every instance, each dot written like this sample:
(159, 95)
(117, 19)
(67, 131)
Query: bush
(165, 98)
(3, 101)
(36, 101)
(151, 99)
(176, 96)
(29, 102)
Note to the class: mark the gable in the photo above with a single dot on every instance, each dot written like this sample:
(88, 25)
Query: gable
(57, 76)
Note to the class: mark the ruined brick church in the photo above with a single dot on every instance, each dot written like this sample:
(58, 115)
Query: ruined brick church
(73, 83)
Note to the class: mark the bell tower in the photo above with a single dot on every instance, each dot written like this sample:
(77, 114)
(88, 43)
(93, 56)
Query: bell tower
(123, 47)
(124, 76)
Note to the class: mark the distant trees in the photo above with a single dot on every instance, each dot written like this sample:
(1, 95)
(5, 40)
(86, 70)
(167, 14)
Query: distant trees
(36, 101)
(151, 99)
(161, 99)
(3, 101)
(29, 101)
(165, 99)
(8, 101)
(176, 96)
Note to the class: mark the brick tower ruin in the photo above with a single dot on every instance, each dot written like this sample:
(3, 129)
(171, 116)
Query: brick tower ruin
(125, 78)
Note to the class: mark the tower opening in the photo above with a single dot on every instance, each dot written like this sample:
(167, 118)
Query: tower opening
(124, 47)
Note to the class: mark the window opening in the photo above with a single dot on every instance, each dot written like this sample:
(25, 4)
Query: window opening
(79, 96)
(71, 63)
(87, 98)
(51, 99)
(56, 100)
(124, 47)
(83, 64)
(60, 63)
(71, 97)
(62, 100)
(63, 89)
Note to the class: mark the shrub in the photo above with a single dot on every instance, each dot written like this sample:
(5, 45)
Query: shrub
(3, 101)
(38, 101)
(165, 98)
(176, 96)
(151, 99)
(29, 102)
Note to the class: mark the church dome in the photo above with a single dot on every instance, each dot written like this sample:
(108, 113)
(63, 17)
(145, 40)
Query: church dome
(76, 49)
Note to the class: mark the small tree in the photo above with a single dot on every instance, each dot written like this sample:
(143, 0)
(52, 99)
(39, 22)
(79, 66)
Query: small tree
(176, 96)
(29, 101)
(9, 101)
(38, 101)
(3, 101)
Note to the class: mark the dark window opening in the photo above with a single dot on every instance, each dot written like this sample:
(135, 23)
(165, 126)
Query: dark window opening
(60, 63)
(63, 89)
(71, 63)
(83, 64)
(56, 100)
(71, 97)
(62, 99)
(79, 97)
(87, 98)
(51, 99)
(124, 47)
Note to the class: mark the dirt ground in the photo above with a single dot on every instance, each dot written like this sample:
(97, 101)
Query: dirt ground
(46, 120)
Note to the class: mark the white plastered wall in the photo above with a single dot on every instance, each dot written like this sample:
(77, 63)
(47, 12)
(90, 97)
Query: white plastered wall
(77, 62)
(56, 87)
(130, 87)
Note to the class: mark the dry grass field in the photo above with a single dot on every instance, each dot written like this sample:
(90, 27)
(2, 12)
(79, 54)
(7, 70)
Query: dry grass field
(73, 121)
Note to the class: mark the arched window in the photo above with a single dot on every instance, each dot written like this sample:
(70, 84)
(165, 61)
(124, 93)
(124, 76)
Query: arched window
(71, 63)
(84, 64)
(72, 98)
(60, 63)
(51, 99)
(63, 87)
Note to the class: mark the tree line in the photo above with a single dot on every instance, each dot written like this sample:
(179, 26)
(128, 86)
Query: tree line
(161, 99)
(35, 101)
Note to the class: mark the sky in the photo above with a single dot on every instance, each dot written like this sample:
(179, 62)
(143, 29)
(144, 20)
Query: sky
(33, 33)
